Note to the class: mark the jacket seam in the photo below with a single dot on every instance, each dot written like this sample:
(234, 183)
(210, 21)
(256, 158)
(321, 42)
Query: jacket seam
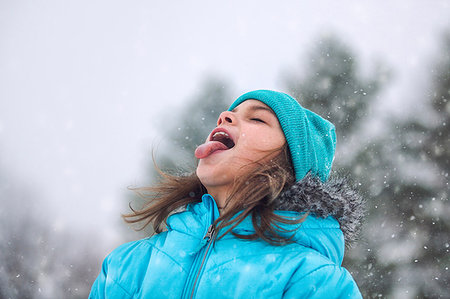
(120, 286)
(166, 254)
(146, 242)
(315, 270)
(295, 250)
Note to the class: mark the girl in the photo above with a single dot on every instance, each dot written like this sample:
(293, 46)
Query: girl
(258, 219)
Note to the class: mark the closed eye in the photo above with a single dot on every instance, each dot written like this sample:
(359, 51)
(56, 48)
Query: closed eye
(258, 120)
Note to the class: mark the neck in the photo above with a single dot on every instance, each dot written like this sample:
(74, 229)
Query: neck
(220, 194)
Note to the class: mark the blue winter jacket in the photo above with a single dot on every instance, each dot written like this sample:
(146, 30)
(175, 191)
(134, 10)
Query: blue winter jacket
(187, 261)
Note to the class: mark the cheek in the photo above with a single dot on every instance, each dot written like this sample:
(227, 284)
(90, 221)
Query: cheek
(264, 143)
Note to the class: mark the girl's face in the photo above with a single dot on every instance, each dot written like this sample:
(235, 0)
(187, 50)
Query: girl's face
(253, 133)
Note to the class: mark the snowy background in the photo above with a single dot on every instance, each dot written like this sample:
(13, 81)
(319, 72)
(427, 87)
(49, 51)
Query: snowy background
(86, 85)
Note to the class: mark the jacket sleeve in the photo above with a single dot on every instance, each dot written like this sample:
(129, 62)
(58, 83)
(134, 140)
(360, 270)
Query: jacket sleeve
(114, 266)
(105, 287)
(328, 281)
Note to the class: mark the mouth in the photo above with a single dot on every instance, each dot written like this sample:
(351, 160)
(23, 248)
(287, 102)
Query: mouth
(219, 140)
(221, 135)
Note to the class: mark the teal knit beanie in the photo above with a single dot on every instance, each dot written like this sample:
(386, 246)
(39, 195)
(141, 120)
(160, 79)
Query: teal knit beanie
(311, 139)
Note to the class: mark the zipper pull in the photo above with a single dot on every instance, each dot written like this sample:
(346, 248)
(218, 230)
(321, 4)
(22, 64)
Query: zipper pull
(209, 233)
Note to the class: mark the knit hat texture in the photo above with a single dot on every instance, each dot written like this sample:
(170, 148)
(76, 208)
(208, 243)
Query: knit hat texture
(311, 139)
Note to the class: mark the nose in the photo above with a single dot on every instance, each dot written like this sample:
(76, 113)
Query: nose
(226, 117)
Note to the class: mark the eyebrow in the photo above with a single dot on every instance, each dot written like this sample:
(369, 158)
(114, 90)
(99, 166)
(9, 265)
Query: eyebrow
(256, 108)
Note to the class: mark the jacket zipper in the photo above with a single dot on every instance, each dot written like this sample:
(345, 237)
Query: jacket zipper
(207, 241)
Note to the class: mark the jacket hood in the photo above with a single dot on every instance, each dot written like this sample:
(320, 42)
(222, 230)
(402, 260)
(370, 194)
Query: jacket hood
(334, 197)
(321, 234)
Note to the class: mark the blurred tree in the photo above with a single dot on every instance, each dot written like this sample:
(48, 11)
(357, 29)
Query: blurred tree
(37, 261)
(411, 234)
(332, 85)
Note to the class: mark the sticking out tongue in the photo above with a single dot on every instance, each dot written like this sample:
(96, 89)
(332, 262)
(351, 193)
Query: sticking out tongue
(208, 148)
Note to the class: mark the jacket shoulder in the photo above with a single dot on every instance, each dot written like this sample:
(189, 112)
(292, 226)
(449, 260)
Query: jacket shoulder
(130, 248)
(121, 267)
(128, 255)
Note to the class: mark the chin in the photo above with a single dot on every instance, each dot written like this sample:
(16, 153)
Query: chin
(214, 177)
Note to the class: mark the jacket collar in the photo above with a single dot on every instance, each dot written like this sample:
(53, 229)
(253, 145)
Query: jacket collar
(196, 218)
(320, 234)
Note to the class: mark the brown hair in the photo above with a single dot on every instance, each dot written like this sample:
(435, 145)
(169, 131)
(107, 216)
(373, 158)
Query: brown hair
(173, 192)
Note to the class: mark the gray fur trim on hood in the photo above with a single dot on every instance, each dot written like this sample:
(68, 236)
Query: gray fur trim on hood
(334, 197)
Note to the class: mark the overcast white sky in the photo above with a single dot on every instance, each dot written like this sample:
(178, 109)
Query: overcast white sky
(82, 81)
